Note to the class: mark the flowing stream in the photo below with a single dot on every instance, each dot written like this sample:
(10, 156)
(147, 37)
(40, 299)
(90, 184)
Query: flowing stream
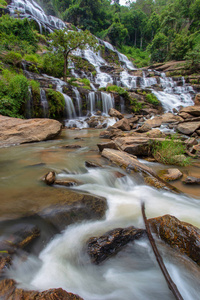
(133, 273)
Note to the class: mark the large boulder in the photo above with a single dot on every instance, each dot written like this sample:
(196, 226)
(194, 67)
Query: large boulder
(122, 124)
(17, 131)
(188, 127)
(179, 235)
(107, 245)
(9, 291)
(192, 110)
(73, 208)
(115, 113)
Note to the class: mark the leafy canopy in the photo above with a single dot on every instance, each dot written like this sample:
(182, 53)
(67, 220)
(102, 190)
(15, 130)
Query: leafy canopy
(66, 41)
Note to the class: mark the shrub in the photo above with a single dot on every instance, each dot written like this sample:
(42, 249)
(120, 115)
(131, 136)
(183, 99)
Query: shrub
(171, 151)
(151, 98)
(13, 94)
(53, 65)
(56, 103)
(114, 88)
(13, 58)
(86, 82)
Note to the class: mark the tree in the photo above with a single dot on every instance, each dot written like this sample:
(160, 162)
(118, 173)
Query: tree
(66, 41)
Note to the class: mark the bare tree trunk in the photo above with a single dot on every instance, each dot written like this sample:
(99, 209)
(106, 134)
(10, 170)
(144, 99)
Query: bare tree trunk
(135, 38)
(65, 67)
(172, 286)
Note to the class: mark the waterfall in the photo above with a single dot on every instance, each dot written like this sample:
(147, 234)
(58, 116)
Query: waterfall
(128, 80)
(31, 10)
(173, 96)
(44, 103)
(69, 106)
(107, 102)
(29, 104)
(147, 81)
(91, 102)
(125, 62)
(70, 112)
(78, 100)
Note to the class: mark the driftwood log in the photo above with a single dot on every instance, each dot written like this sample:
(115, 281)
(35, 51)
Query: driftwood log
(172, 286)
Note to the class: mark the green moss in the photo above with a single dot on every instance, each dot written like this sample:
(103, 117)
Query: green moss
(56, 103)
(82, 64)
(171, 151)
(151, 98)
(37, 108)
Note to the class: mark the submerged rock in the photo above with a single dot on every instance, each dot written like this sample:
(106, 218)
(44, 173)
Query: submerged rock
(91, 164)
(17, 131)
(170, 174)
(179, 235)
(73, 207)
(109, 244)
(9, 291)
(50, 178)
(192, 180)
(68, 182)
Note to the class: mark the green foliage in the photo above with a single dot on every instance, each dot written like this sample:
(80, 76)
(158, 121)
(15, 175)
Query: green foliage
(139, 57)
(135, 105)
(13, 94)
(85, 81)
(114, 88)
(17, 35)
(66, 41)
(12, 58)
(56, 103)
(3, 3)
(171, 151)
(165, 25)
(53, 64)
(151, 98)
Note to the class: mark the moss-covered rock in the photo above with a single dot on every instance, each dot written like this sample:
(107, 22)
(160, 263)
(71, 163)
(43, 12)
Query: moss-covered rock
(56, 103)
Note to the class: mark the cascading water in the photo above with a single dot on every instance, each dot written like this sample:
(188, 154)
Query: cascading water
(70, 112)
(29, 104)
(78, 100)
(30, 9)
(133, 273)
(173, 96)
(91, 102)
(44, 103)
(107, 102)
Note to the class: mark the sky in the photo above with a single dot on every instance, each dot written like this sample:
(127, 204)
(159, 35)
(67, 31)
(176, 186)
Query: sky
(122, 2)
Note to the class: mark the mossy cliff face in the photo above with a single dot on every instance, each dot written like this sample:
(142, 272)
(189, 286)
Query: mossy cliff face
(56, 103)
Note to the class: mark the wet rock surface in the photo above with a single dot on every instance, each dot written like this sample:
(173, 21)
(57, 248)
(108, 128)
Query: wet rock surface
(115, 113)
(85, 207)
(179, 235)
(170, 174)
(192, 180)
(131, 164)
(17, 131)
(9, 291)
(109, 244)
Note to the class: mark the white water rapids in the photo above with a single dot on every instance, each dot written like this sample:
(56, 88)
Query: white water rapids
(133, 273)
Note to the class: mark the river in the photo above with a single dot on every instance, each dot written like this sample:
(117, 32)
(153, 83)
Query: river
(133, 273)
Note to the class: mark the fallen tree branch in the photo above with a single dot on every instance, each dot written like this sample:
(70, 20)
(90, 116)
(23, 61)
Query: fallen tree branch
(172, 286)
